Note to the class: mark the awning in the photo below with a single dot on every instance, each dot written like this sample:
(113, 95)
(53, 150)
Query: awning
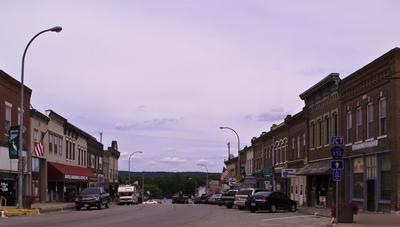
(61, 172)
(316, 168)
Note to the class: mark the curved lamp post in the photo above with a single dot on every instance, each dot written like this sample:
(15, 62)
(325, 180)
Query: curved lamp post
(21, 114)
(207, 175)
(129, 173)
(195, 186)
(238, 146)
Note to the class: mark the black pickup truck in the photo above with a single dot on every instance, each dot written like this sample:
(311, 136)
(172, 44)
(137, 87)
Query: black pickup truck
(228, 198)
(92, 197)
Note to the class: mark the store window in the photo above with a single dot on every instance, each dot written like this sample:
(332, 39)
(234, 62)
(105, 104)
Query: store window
(358, 169)
(385, 177)
(370, 166)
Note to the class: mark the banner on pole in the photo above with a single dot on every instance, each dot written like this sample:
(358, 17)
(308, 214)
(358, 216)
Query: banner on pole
(13, 142)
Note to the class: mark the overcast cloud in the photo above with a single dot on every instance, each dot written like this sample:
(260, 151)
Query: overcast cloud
(162, 76)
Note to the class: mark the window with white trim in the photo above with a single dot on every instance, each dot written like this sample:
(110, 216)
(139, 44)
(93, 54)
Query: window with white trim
(370, 120)
(8, 118)
(359, 124)
(382, 117)
(349, 127)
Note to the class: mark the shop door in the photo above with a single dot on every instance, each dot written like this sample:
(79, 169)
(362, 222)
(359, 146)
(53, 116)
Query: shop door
(371, 195)
(7, 190)
(301, 195)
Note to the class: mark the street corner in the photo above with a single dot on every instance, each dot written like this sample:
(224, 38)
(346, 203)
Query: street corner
(19, 212)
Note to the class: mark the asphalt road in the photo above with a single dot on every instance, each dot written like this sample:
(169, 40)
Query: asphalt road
(166, 215)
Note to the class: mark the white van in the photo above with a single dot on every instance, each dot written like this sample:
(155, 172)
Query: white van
(127, 194)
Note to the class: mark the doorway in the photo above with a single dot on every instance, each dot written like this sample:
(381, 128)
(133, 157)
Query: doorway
(371, 195)
(301, 195)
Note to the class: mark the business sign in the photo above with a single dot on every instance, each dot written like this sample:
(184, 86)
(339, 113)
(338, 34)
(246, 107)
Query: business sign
(288, 173)
(232, 181)
(337, 153)
(250, 180)
(368, 144)
(267, 172)
(338, 164)
(13, 142)
(336, 175)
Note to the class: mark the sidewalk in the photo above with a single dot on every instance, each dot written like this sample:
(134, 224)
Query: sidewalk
(363, 218)
(37, 208)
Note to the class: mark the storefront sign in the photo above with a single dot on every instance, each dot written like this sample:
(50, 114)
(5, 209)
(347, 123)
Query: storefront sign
(250, 180)
(288, 173)
(368, 144)
(75, 177)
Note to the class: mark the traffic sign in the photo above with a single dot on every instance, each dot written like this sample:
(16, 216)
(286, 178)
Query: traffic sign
(337, 153)
(338, 164)
(336, 175)
(239, 177)
(336, 140)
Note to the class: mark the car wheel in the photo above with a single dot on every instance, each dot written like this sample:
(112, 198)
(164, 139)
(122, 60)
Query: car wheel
(107, 205)
(252, 210)
(78, 208)
(293, 208)
(87, 208)
(240, 208)
(229, 206)
(99, 206)
(272, 209)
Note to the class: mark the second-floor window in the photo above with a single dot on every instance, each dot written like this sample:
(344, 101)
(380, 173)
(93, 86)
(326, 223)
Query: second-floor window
(304, 145)
(327, 130)
(60, 148)
(335, 124)
(35, 137)
(349, 127)
(92, 161)
(50, 142)
(319, 133)
(298, 146)
(370, 119)
(292, 147)
(382, 117)
(55, 144)
(312, 135)
(359, 124)
(8, 118)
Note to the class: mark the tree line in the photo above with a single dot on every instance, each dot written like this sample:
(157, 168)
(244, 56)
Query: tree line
(167, 186)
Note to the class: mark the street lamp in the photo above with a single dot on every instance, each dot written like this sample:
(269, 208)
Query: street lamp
(207, 175)
(238, 146)
(21, 113)
(195, 186)
(129, 173)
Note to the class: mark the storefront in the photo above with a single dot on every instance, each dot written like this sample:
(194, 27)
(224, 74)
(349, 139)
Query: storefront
(368, 181)
(64, 182)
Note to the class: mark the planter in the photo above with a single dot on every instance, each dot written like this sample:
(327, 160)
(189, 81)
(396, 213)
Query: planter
(346, 215)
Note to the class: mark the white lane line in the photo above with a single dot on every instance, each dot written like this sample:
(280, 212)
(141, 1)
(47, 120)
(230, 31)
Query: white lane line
(287, 217)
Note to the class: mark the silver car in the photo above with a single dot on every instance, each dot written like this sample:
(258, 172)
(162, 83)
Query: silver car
(241, 196)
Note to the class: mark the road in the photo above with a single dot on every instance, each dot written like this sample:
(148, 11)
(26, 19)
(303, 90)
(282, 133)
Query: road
(166, 215)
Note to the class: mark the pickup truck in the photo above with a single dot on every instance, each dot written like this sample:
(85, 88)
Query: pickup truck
(92, 197)
(228, 198)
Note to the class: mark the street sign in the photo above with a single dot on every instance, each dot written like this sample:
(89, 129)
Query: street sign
(336, 140)
(267, 172)
(288, 173)
(338, 164)
(337, 153)
(239, 177)
(232, 181)
(336, 175)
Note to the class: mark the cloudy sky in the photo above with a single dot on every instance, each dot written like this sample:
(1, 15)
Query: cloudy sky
(162, 76)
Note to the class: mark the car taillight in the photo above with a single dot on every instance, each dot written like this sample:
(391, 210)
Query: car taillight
(264, 198)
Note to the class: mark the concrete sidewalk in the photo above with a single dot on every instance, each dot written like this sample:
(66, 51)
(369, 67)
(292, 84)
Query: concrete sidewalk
(363, 218)
(37, 208)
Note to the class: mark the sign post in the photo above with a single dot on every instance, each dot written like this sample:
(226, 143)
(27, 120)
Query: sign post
(337, 165)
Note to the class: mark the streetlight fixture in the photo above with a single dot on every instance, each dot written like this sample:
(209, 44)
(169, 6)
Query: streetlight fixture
(207, 175)
(195, 186)
(238, 146)
(129, 173)
(21, 113)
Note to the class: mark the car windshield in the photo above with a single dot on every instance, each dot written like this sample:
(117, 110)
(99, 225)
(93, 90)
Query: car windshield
(126, 193)
(244, 192)
(90, 191)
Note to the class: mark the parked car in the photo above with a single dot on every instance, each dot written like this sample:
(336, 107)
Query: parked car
(228, 198)
(158, 201)
(214, 199)
(205, 197)
(241, 196)
(271, 201)
(151, 201)
(92, 197)
(197, 200)
(180, 198)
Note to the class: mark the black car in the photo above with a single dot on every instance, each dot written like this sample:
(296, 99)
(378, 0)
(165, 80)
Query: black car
(205, 197)
(271, 201)
(92, 197)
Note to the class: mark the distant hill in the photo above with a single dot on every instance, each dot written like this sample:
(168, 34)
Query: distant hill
(161, 174)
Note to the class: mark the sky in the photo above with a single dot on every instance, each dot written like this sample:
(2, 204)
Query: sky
(161, 77)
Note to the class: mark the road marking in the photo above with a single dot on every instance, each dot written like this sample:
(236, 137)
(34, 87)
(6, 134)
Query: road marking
(287, 217)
